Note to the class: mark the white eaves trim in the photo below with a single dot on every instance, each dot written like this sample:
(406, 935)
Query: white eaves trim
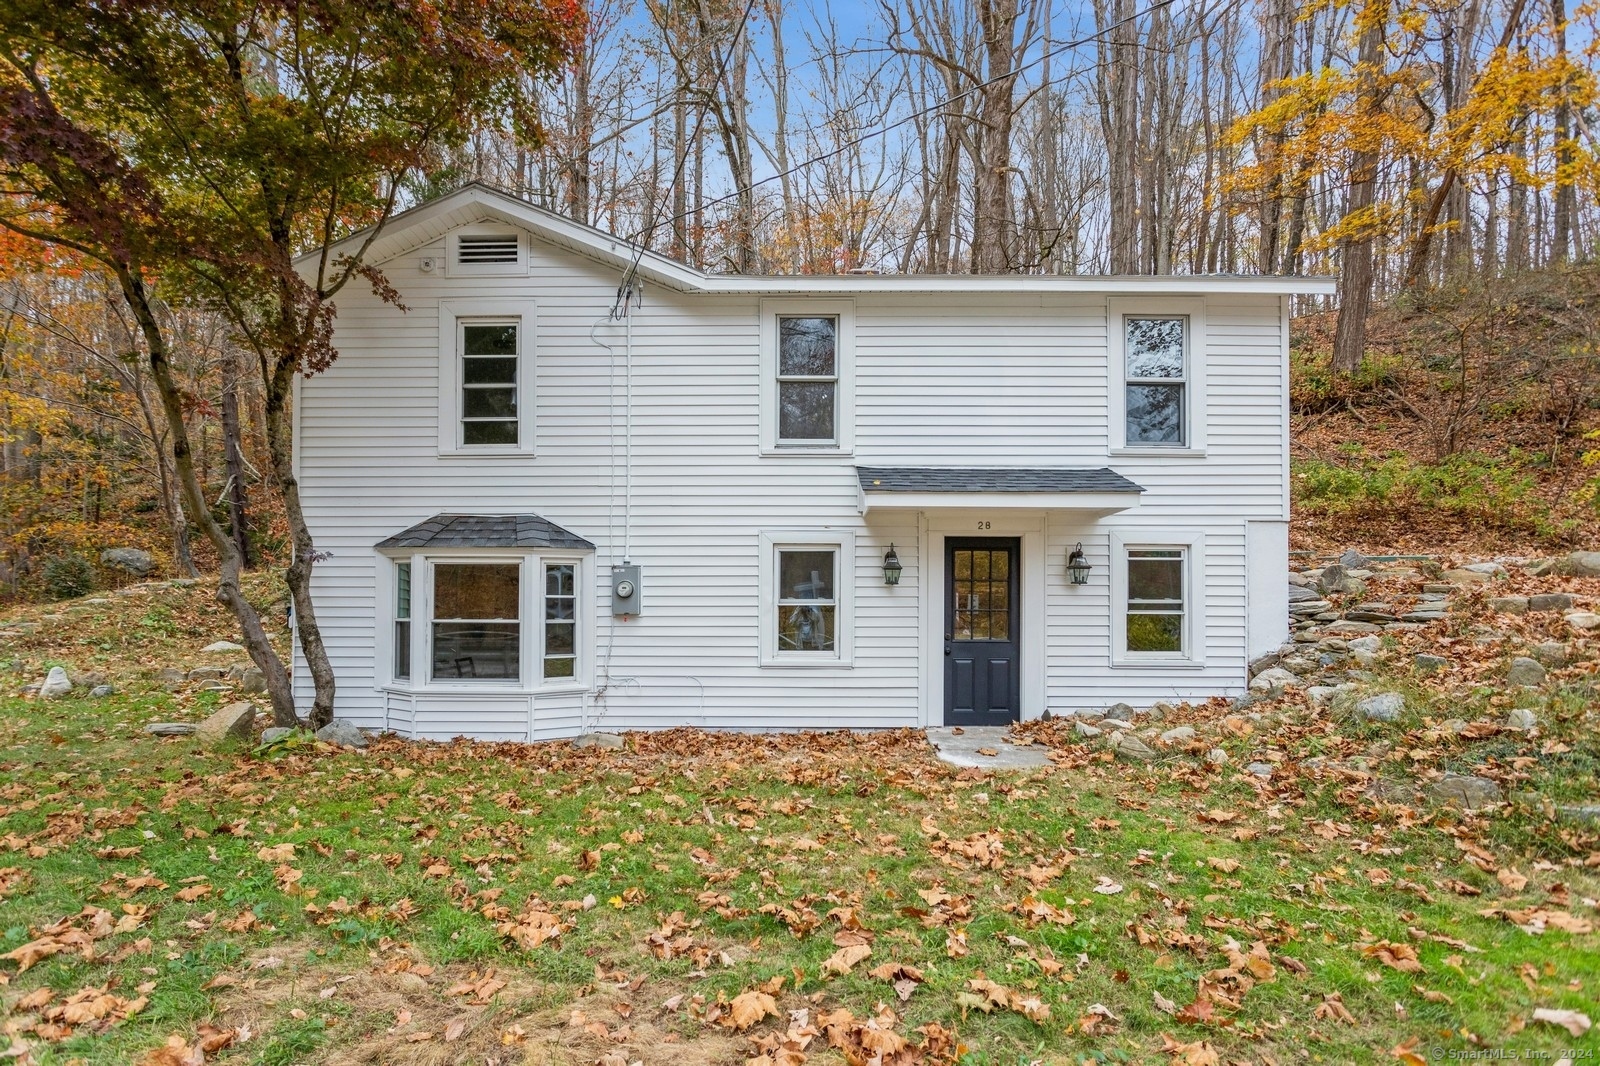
(409, 229)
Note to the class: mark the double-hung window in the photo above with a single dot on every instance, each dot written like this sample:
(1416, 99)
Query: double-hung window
(806, 598)
(808, 381)
(560, 620)
(1156, 599)
(490, 354)
(1156, 356)
(1155, 611)
(402, 622)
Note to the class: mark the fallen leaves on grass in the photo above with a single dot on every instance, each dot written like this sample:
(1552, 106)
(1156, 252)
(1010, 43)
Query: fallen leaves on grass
(1402, 957)
(845, 959)
(1572, 1021)
(747, 1009)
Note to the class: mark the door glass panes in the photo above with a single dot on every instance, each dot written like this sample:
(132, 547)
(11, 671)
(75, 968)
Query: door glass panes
(1155, 379)
(402, 621)
(560, 620)
(1155, 599)
(982, 588)
(476, 627)
(489, 383)
(808, 379)
(807, 606)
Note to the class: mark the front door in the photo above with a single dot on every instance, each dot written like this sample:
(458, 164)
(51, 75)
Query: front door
(980, 631)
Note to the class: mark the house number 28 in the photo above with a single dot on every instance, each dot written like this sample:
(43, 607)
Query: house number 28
(983, 524)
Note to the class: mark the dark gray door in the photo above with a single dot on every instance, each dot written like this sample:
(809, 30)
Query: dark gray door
(981, 640)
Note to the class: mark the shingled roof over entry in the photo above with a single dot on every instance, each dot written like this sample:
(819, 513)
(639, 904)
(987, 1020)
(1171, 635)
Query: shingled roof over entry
(486, 531)
(991, 479)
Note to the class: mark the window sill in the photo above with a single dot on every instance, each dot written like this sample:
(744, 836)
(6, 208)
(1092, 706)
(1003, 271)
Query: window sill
(806, 664)
(486, 452)
(1156, 663)
(802, 452)
(1156, 451)
(485, 689)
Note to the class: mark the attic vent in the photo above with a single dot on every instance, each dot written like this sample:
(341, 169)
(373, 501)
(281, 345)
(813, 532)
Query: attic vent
(485, 249)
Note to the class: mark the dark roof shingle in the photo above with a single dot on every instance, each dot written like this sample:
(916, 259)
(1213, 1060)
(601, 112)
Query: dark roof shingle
(486, 531)
(991, 479)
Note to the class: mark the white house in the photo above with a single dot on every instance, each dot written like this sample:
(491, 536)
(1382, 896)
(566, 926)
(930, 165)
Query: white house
(542, 518)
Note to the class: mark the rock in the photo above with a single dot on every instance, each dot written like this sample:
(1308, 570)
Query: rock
(206, 673)
(1425, 664)
(1275, 677)
(1522, 718)
(598, 740)
(1371, 612)
(1179, 735)
(1131, 748)
(1322, 695)
(1550, 601)
(1578, 564)
(1370, 645)
(222, 646)
(1509, 604)
(169, 729)
(1464, 790)
(252, 680)
(1525, 671)
(1384, 707)
(100, 692)
(1465, 577)
(1438, 588)
(1552, 653)
(1578, 812)
(1115, 724)
(1337, 578)
(1583, 620)
(212, 685)
(234, 722)
(1353, 560)
(343, 732)
(1084, 729)
(1123, 711)
(1454, 725)
(1301, 664)
(276, 733)
(56, 684)
(1302, 594)
(1217, 757)
(1351, 629)
(170, 676)
(1493, 569)
(1423, 616)
(1259, 769)
(133, 560)
(1091, 714)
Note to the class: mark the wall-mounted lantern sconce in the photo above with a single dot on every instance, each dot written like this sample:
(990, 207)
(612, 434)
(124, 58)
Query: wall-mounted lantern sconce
(891, 567)
(1078, 566)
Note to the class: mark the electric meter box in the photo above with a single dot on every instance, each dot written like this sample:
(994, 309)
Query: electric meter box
(625, 591)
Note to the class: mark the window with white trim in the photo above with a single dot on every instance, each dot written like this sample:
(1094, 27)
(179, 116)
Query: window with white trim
(486, 378)
(489, 619)
(807, 377)
(1155, 602)
(806, 600)
(1155, 350)
(402, 621)
(1157, 598)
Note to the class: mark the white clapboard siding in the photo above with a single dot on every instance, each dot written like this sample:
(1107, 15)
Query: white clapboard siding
(941, 379)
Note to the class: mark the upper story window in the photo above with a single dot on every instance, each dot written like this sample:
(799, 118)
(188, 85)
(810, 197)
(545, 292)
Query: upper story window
(1156, 350)
(808, 380)
(490, 354)
(807, 376)
(486, 378)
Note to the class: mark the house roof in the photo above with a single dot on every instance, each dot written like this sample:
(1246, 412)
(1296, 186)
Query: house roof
(486, 531)
(991, 479)
(477, 202)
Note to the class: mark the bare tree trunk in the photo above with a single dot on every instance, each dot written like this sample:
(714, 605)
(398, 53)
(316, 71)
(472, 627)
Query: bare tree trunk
(1117, 90)
(276, 675)
(1566, 190)
(233, 457)
(1356, 262)
(994, 221)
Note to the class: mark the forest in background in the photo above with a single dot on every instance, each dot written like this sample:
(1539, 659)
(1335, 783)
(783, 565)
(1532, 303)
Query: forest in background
(1440, 159)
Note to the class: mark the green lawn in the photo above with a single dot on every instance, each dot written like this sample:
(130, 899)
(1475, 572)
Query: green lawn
(707, 899)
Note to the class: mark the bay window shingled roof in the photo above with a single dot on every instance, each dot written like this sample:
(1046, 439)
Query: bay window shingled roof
(992, 479)
(486, 531)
